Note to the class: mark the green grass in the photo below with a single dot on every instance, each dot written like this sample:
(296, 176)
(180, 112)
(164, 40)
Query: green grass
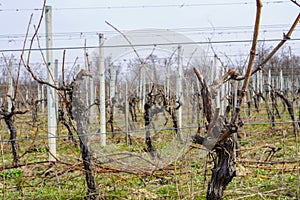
(182, 179)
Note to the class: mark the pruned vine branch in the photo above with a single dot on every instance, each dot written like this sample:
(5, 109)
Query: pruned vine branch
(129, 42)
(285, 38)
(295, 2)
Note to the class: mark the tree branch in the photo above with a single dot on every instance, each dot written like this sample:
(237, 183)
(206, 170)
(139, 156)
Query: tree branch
(272, 53)
(295, 2)
(136, 53)
(232, 127)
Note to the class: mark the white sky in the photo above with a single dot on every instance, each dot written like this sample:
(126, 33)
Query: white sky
(232, 20)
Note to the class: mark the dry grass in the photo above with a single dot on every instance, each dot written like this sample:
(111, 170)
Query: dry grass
(127, 172)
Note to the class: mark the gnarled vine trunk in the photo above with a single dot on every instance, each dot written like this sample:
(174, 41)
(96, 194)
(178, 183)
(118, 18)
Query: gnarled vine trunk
(8, 118)
(13, 138)
(223, 171)
(80, 112)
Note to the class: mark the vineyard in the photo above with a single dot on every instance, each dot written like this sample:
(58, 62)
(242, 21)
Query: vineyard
(162, 121)
(267, 163)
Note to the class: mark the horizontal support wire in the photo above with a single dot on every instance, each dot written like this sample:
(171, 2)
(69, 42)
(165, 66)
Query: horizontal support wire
(143, 45)
(139, 131)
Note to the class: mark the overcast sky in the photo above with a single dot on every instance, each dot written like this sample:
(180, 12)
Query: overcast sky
(77, 21)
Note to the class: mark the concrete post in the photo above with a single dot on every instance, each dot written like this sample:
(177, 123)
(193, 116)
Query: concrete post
(179, 88)
(102, 91)
(112, 85)
(52, 120)
(10, 85)
(126, 114)
(56, 83)
(43, 97)
(281, 80)
(92, 111)
(217, 72)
